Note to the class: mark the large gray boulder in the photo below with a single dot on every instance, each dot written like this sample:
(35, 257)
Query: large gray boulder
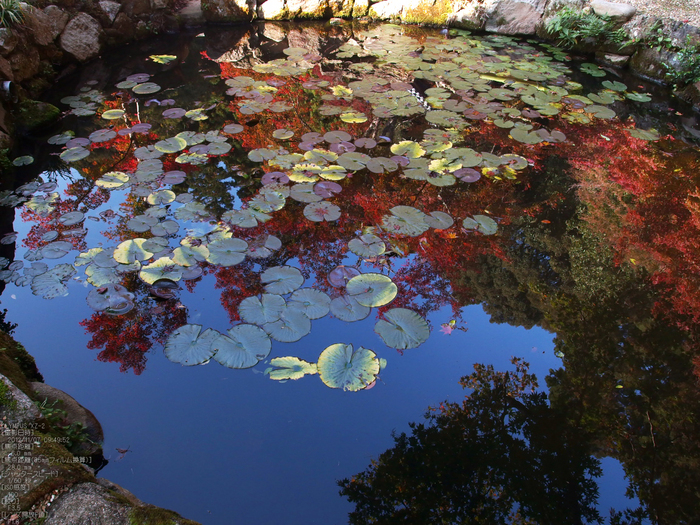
(82, 37)
(58, 18)
(514, 17)
(229, 10)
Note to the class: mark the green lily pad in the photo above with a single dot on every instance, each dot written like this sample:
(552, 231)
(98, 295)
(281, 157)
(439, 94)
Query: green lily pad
(372, 289)
(644, 134)
(346, 308)
(614, 85)
(132, 250)
(638, 97)
(481, 223)
(113, 114)
(402, 328)
(75, 154)
(313, 303)
(322, 211)
(259, 311)
(243, 347)
(162, 59)
(227, 252)
(368, 245)
(281, 279)
(52, 283)
(189, 346)
(439, 220)
(161, 197)
(291, 326)
(171, 145)
(24, 160)
(56, 250)
(340, 366)
(146, 88)
(163, 268)
(291, 368)
(112, 180)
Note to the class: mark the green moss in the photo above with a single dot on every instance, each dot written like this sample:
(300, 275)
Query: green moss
(17, 365)
(425, 14)
(6, 399)
(34, 115)
(157, 516)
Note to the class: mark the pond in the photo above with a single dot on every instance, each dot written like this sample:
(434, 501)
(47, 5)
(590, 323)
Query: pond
(258, 253)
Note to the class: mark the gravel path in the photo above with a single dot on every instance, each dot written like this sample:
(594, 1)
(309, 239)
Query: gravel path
(684, 10)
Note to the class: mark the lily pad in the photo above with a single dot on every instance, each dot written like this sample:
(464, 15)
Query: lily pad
(113, 114)
(259, 311)
(291, 326)
(645, 134)
(132, 250)
(322, 211)
(372, 289)
(112, 298)
(24, 160)
(163, 268)
(146, 88)
(227, 252)
(368, 245)
(402, 328)
(481, 223)
(243, 347)
(189, 346)
(313, 303)
(282, 279)
(71, 218)
(291, 368)
(52, 284)
(56, 250)
(112, 180)
(340, 366)
(75, 154)
(171, 145)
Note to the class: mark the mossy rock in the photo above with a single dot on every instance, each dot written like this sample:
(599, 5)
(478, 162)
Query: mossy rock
(435, 14)
(148, 515)
(17, 365)
(34, 115)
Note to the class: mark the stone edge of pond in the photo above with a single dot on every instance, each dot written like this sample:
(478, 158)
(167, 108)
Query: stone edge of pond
(55, 485)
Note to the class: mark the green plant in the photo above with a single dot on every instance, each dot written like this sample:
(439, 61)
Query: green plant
(11, 13)
(570, 27)
(686, 69)
(74, 433)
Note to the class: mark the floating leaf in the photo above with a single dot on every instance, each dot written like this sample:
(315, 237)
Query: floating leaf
(638, 97)
(112, 180)
(644, 134)
(439, 220)
(56, 250)
(291, 368)
(281, 279)
(112, 298)
(481, 223)
(160, 197)
(227, 252)
(372, 289)
(102, 135)
(163, 268)
(171, 145)
(75, 154)
(402, 329)
(265, 309)
(368, 245)
(113, 114)
(132, 250)
(52, 283)
(141, 223)
(291, 326)
(342, 367)
(347, 309)
(23, 160)
(243, 347)
(408, 148)
(146, 88)
(71, 218)
(322, 211)
(189, 346)
(340, 276)
(313, 303)
(162, 59)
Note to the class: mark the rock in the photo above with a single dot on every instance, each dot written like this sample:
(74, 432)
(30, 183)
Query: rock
(24, 62)
(471, 17)
(340, 8)
(691, 94)
(514, 17)
(386, 10)
(229, 10)
(618, 12)
(134, 8)
(307, 8)
(122, 30)
(360, 8)
(76, 414)
(39, 23)
(110, 9)
(426, 12)
(612, 59)
(35, 115)
(8, 41)
(159, 4)
(5, 141)
(82, 37)
(272, 10)
(6, 70)
(88, 504)
(649, 63)
(58, 17)
(274, 32)
(16, 408)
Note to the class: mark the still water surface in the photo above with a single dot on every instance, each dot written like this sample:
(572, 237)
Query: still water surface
(382, 207)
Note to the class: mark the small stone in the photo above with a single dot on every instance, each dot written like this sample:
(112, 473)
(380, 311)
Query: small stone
(81, 37)
(58, 17)
(8, 41)
(111, 9)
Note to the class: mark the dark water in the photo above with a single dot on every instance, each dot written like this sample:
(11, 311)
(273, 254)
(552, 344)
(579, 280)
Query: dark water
(501, 200)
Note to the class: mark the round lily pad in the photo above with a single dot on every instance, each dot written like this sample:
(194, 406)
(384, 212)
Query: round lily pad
(372, 289)
(481, 223)
(291, 368)
(171, 145)
(291, 326)
(282, 279)
(163, 268)
(368, 245)
(227, 252)
(75, 154)
(340, 275)
(131, 250)
(146, 88)
(402, 328)
(322, 211)
(112, 180)
(265, 309)
(243, 347)
(313, 303)
(189, 346)
(340, 366)
(24, 160)
(113, 114)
